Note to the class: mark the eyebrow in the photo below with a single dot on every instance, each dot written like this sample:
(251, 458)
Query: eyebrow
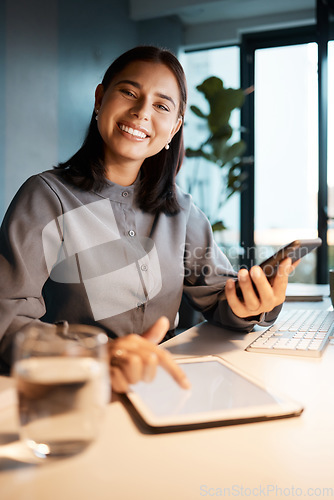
(139, 86)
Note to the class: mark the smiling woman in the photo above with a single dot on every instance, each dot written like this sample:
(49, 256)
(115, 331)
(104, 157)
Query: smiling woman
(108, 239)
(138, 115)
(145, 81)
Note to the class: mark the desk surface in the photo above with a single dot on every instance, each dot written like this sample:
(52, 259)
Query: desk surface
(287, 458)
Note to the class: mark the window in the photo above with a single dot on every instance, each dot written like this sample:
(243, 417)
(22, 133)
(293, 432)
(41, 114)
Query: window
(286, 150)
(198, 176)
(294, 52)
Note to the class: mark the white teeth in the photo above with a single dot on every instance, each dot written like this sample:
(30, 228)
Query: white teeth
(132, 131)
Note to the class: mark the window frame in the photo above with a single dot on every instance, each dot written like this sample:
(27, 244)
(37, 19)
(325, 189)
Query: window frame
(282, 38)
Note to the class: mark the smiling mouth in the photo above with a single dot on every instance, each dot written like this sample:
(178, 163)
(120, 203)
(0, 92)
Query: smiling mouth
(132, 131)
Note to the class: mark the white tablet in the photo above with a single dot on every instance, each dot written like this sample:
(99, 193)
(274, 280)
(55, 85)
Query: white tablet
(220, 395)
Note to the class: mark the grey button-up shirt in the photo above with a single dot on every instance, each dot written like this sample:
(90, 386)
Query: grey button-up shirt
(96, 258)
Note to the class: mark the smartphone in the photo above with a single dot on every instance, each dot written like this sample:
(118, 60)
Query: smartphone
(295, 250)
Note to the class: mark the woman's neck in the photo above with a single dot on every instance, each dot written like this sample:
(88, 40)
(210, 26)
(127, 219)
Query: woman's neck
(122, 178)
(122, 174)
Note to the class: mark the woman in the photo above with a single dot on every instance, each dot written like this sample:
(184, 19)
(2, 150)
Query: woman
(107, 238)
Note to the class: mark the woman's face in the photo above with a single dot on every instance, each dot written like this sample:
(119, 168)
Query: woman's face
(138, 113)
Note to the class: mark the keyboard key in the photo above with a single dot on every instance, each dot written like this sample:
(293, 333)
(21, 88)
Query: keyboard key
(292, 343)
(303, 344)
(281, 343)
(270, 343)
(314, 347)
(259, 342)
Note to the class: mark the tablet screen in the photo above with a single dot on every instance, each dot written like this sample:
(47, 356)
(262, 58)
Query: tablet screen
(214, 387)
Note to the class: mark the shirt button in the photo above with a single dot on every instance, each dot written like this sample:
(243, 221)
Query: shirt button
(132, 233)
(125, 194)
(143, 267)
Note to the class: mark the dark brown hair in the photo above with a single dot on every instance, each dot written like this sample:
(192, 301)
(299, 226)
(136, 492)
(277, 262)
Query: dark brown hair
(156, 191)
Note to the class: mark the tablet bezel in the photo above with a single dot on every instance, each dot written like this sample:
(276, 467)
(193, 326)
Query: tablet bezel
(282, 409)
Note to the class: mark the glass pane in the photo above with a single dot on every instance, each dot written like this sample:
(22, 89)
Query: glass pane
(330, 164)
(198, 176)
(286, 150)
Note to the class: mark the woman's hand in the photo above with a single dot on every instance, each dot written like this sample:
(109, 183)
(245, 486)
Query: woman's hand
(268, 296)
(136, 357)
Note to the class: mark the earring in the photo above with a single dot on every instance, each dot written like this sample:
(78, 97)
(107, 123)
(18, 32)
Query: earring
(167, 146)
(96, 116)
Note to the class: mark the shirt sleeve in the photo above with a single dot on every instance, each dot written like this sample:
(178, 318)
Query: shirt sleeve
(23, 268)
(206, 270)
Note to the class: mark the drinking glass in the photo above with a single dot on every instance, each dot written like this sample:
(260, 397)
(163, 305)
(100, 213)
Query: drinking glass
(63, 386)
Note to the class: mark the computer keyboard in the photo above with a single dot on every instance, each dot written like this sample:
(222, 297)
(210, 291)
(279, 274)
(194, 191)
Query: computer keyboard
(297, 332)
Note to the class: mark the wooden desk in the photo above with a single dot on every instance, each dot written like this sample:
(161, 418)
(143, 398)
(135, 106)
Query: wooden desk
(284, 458)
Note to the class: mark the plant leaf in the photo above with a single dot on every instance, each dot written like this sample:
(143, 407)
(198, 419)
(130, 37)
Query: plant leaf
(193, 153)
(197, 111)
(200, 153)
(218, 226)
(235, 150)
(210, 86)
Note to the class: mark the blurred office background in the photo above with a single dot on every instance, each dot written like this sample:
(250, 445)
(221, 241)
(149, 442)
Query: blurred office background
(53, 53)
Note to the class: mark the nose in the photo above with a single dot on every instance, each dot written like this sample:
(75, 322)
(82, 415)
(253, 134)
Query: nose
(141, 109)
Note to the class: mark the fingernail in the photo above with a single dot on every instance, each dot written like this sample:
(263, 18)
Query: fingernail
(255, 272)
(242, 276)
(185, 383)
(147, 378)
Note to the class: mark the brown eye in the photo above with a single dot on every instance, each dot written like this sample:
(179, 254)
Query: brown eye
(127, 92)
(162, 107)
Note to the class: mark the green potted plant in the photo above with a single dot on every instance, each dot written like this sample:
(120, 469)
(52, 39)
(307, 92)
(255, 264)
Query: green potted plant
(218, 149)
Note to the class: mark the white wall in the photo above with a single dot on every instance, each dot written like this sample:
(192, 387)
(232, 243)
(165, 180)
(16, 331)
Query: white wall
(30, 80)
(2, 105)
(91, 34)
